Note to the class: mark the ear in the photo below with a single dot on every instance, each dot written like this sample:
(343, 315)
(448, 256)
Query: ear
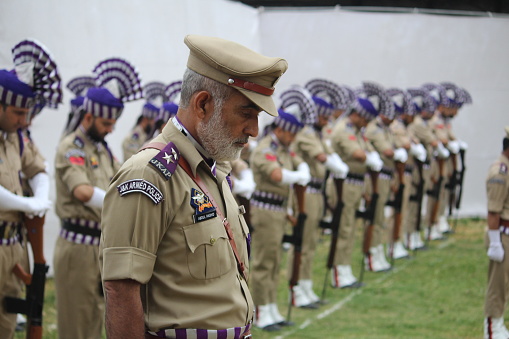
(202, 104)
(87, 120)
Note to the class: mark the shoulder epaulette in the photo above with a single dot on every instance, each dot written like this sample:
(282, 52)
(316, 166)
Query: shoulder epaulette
(79, 142)
(166, 161)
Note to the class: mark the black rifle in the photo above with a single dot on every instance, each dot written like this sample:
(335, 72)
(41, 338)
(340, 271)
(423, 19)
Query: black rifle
(461, 177)
(396, 204)
(334, 226)
(419, 193)
(369, 216)
(296, 240)
(33, 304)
(435, 194)
(451, 185)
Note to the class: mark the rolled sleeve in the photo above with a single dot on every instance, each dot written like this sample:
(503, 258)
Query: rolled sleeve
(127, 263)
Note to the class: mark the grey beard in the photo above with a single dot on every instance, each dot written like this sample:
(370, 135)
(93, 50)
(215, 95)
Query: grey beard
(216, 141)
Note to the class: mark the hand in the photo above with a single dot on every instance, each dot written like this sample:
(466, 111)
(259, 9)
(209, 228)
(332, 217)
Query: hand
(373, 161)
(400, 155)
(453, 146)
(496, 252)
(419, 152)
(338, 168)
(244, 188)
(36, 206)
(442, 152)
(463, 145)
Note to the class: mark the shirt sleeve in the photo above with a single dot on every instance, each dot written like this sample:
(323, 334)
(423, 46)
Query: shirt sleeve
(137, 206)
(70, 165)
(496, 189)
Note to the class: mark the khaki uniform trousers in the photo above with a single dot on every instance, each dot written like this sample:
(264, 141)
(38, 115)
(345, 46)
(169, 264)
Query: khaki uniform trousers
(80, 315)
(384, 192)
(410, 218)
(10, 285)
(266, 253)
(497, 293)
(311, 233)
(434, 173)
(352, 195)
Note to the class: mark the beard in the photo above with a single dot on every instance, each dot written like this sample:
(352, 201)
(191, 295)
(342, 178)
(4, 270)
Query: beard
(216, 140)
(94, 134)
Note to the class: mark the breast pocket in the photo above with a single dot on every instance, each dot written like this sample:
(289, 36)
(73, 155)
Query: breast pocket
(209, 255)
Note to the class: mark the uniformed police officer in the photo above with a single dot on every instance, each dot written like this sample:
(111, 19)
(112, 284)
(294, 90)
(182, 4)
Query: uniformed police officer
(141, 132)
(84, 166)
(310, 145)
(275, 170)
(382, 140)
(174, 247)
(422, 130)
(349, 143)
(497, 242)
(79, 86)
(17, 98)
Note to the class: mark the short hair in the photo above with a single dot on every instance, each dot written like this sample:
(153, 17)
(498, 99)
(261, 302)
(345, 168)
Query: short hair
(505, 144)
(193, 82)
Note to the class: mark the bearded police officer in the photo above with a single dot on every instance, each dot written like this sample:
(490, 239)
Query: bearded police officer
(20, 91)
(174, 248)
(497, 241)
(84, 166)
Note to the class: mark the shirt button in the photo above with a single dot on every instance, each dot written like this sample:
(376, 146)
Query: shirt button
(212, 241)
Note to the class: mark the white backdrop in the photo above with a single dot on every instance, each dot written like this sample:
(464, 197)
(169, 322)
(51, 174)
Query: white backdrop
(402, 50)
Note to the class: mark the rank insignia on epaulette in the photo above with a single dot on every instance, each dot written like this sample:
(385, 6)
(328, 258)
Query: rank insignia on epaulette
(204, 209)
(503, 169)
(141, 186)
(79, 142)
(166, 161)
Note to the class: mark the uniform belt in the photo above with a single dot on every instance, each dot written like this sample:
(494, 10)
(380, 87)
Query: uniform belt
(81, 231)
(10, 232)
(355, 176)
(268, 198)
(409, 169)
(316, 183)
(183, 333)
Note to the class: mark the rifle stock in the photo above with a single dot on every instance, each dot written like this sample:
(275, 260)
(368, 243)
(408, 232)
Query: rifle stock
(370, 217)
(298, 230)
(335, 224)
(32, 306)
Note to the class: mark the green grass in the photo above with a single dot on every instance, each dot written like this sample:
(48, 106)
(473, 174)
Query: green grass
(438, 293)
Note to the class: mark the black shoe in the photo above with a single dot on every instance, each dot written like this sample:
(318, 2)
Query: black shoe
(272, 328)
(285, 323)
(311, 306)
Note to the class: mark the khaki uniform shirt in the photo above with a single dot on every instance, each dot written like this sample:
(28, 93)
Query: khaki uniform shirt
(442, 127)
(161, 230)
(133, 141)
(497, 187)
(308, 144)
(346, 139)
(423, 131)
(80, 161)
(32, 151)
(381, 139)
(11, 164)
(269, 155)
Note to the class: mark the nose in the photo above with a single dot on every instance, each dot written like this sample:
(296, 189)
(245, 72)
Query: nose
(252, 127)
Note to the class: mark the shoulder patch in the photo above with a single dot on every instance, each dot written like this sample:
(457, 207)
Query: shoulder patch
(79, 142)
(292, 154)
(270, 157)
(503, 168)
(76, 157)
(166, 161)
(352, 137)
(496, 181)
(141, 186)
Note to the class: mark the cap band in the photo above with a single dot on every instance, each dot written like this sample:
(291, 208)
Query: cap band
(250, 86)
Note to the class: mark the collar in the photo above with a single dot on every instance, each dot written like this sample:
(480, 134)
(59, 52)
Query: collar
(205, 155)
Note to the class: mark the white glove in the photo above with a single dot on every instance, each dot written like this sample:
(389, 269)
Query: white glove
(453, 146)
(373, 161)
(442, 152)
(29, 205)
(252, 144)
(418, 151)
(495, 251)
(40, 185)
(338, 168)
(463, 145)
(97, 199)
(244, 185)
(305, 172)
(400, 155)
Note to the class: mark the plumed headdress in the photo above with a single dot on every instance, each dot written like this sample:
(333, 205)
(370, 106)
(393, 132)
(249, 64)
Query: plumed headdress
(34, 82)
(288, 122)
(173, 90)
(423, 100)
(298, 101)
(385, 104)
(336, 95)
(405, 101)
(459, 95)
(167, 110)
(439, 93)
(117, 82)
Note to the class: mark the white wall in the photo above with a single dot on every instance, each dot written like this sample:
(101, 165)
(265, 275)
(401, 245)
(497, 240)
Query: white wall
(402, 50)
(406, 50)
